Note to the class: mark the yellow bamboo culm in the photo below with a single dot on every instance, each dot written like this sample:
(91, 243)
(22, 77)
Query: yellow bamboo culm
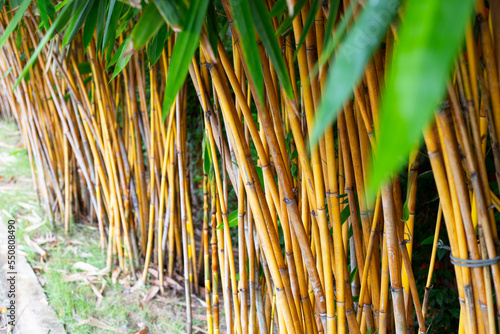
(223, 191)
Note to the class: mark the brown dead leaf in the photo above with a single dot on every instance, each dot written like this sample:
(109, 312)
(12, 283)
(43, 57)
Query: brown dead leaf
(168, 283)
(35, 246)
(74, 278)
(115, 274)
(145, 330)
(97, 323)
(154, 272)
(45, 239)
(153, 290)
(85, 267)
(137, 286)
(103, 285)
(94, 289)
(174, 284)
(74, 242)
(34, 227)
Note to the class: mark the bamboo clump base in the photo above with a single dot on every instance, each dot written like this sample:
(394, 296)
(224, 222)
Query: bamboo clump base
(284, 260)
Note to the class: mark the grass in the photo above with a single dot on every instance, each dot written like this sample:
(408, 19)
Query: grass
(122, 308)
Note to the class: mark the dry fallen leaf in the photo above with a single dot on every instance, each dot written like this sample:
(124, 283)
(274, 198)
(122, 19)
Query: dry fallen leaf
(115, 274)
(138, 285)
(34, 245)
(85, 267)
(153, 290)
(145, 330)
(34, 227)
(94, 288)
(73, 278)
(153, 272)
(45, 239)
(97, 323)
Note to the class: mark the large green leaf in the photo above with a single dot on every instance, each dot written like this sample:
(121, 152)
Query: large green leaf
(243, 23)
(350, 61)
(429, 38)
(87, 6)
(185, 46)
(13, 23)
(101, 21)
(119, 52)
(264, 27)
(61, 5)
(42, 43)
(47, 11)
(157, 43)
(173, 12)
(278, 8)
(211, 25)
(114, 12)
(286, 24)
(121, 57)
(90, 24)
(148, 25)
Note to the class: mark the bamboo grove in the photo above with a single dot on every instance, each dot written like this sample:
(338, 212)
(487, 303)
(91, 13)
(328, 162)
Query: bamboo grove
(307, 249)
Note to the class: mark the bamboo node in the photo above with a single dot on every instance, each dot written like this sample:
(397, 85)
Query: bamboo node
(332, 194)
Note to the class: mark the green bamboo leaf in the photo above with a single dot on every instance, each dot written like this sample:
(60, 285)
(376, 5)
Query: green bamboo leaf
(428, 241)
(19, 39)
(315, 6)
(349, 64)
(47, 11)
(125, 19)
(87, 6)
(429, 39)
(156, 45)
(184, 49)
(346, 212)
(90, 24)
(101, 21)
(66, 16)
(13, 23)
(123, 57)
(264, 27)
(332, 15)
(148, 25)
(232, 220)
(41, 44)
(119, 52)
(286, 24)
(61, 5)
(6, 73)
(207, 161)
(211, 24)
(114, 12)
(84, 68)
(353, 274)
(173, 12)
(243, 23)
(331, 44)
(278, 8)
